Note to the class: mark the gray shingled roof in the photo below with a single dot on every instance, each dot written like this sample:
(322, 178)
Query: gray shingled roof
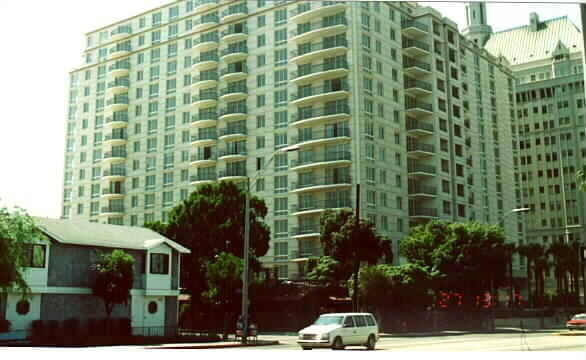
(79, 232)
(521, 45)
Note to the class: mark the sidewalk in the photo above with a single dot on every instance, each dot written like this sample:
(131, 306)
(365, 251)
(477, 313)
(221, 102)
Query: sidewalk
(213, 345)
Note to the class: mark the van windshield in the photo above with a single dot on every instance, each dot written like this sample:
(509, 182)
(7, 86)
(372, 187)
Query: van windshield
(329, 320)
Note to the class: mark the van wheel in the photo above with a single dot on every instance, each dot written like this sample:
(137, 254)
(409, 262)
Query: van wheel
(338, 344)
(371, 343)
(305, 348)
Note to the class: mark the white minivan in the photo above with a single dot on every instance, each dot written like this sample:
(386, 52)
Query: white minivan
(338, 330)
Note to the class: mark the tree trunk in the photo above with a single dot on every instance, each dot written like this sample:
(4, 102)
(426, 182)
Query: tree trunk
(529, 297)
(355, 292)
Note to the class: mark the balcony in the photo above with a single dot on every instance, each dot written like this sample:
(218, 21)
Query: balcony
(205, 43)
(117, 156)
(204, 138)
(117, 103)
(326, 137)
(421, 170)
(331, 92)
(204, 81)
(418, 128)
(325, 71)
(311, 51)
(114, 174)
(315, 9)
(418, 150)
(112, 211)
(233, 93)
(415, 108)
(119, 69)
(234, 113)
(422, 191)
(324, 183)
(116, 139)
(235, 73)
(305, 231)
(200, 179)
(306, 254)
(318, 30)
(234, 35)
(204, 100)
(113, 193)
(200, 6)
(322, 160)
(414, 87)
(414, 28)
(415, 48)
(422, 213)
(232, 175)
(118, 86)
(234, 133)
(315, 116)
(415, 68)
(234, 53)
(318, 206)
(203, 160)
(204, 119)
(119, 51)
(234, 13)
(233, 154)
(117, 120)
(205, 22)
(204, 63)
(121, 32)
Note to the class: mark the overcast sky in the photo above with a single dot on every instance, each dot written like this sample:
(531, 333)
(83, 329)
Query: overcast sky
(44, 40)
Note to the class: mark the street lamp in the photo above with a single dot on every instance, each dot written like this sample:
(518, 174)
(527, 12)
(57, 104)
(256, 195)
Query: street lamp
(246, 254)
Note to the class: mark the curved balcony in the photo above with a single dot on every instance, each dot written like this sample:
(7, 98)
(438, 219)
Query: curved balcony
(326, 93)
(414, 28)
(302, 255)
(422, 191)
(119, 51)
(419, 128)
(318, 30)
(234, 74)
(204, 81)
(117, 120)
(205, 100)
(314, 9)
(204, 138)
(114, 174)
(235, 133)
(205, 22)
(305, 231)
(415, 68)
(233, 35)
(116, 139)
(415, 48)
(232, 175)
(334, 158)
(200, 6)
(204, 63)
(114, 157)
(205, 43)
(203, 120)
(309, 52)
(112, 211)
(199, 160)
(111, 194)
(314, 116)
(234, 13)
(319, 206)
(118, 86)
(415, 108)
(202, 179)
(121, 32)
(232, 155)
(322, 138)
(421, 170)
(233, 113)
(423, 213)
(117, 103)
(311, 73)
(232, 54)
(234, 93)
(414, 87)
(119, 69)
(419, 150)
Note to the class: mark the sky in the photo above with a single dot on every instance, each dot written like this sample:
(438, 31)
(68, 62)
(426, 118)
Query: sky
(44, 40)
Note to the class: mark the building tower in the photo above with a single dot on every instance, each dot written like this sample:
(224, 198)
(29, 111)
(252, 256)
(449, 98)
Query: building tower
(478, 30)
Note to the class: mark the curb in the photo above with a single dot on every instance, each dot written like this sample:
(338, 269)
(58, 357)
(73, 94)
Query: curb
(571, 333)
(213, 346)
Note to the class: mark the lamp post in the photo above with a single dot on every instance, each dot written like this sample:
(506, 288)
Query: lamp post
(511, 287)
(246, 253)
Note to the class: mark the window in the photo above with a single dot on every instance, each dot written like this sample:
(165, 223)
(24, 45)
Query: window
(159, 264)
(34, 255)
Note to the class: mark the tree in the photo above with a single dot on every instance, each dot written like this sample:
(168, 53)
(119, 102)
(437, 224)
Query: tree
(581, 178)
(566, 264)
(17, 229)
(537, 264)
(114, 278)
(324, 271)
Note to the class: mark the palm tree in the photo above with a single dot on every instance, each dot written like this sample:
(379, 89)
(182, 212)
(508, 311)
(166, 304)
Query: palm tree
(537, 264)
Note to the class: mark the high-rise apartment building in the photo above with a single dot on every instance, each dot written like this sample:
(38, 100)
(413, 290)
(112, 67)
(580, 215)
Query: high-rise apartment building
(385, 95)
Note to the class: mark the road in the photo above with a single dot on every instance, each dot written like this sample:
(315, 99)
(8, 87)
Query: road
(549, 341)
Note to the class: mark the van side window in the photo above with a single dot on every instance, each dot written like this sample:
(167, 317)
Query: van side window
(370, 321)
(348, 322)
(360, 321)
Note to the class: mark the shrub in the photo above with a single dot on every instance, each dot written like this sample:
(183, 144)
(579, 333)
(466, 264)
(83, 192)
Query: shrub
(4, 326)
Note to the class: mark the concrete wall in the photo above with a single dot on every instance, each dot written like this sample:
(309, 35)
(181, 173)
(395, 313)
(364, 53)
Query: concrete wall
(78, 306)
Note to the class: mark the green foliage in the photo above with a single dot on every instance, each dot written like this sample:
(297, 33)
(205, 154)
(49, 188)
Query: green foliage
(324, 271)
(224, 277)
(17, 229)
(114, 278)
(581, 179)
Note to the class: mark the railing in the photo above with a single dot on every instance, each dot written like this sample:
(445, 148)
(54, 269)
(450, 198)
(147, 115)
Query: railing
(416, 24)
(312, 69)
(408, 43)
(206, 135)
(234, 90)
(203, 177)
(204, 116)
(118, 136)
(227, 71)
(118, 100)
(422, 189)
(417, 84)
(235, 10)
(323, 181)
(202, 157)
(320, 135)
(235, 50)
(206, 20)
(204, 2)
(122, 65)
(123, 29)
(310, 6)
(234, 110)
(113, 192)
(114, 172)
(410, 62)
(205, 96)
(110, 155)
(321, 204)
(413, 168)
(423, 212)
(305, 29)
(120, 47)
(112, 209)
(305, 114)
(308, 48)
(119, 82)
(306, 253)
(319, 90)
(413, 124)
(237, 130)
(421, 147)
(325, 157)
(415, 104)
(205, 39)
(206, 77)
(243, 31)
(230, 152)
(305, 230)
(233, 172)
(201, 59)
